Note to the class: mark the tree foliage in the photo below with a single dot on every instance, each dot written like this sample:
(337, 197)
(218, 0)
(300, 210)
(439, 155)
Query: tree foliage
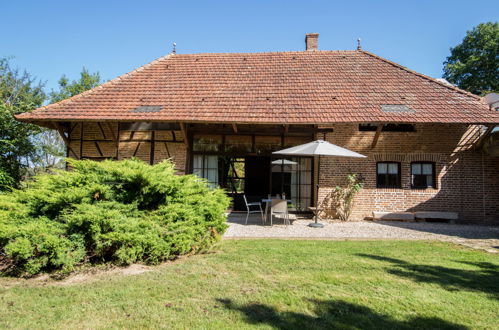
(68, 89)
(473, 65)
(19, 92)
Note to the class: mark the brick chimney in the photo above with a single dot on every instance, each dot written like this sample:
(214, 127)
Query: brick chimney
(311, 41)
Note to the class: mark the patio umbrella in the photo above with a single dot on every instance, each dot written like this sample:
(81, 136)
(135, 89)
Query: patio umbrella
(318, 148)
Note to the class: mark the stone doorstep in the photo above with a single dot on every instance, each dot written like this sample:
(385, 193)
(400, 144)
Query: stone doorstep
(436, 215)
(414, 216)
(407, 216)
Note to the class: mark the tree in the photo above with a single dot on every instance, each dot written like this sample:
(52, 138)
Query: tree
(67, 89)
(19, 92)
(473, 65)
(49, 145)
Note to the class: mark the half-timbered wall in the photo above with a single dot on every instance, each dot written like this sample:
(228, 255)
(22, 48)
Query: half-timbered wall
(100, 141)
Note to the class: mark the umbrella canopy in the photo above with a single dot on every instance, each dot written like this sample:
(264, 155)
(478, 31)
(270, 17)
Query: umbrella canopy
(319, 148)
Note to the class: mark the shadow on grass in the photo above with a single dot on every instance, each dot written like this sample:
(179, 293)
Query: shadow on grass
(455, 230)
(485, 279)
(334, 314)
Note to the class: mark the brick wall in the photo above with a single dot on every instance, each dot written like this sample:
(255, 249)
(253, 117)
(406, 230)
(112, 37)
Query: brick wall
(467, 180)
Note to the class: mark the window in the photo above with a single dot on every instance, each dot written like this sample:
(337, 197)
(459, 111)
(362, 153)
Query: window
(387, 128)
(206, 167)
(388, 175)
(422, 175)
(292, 176)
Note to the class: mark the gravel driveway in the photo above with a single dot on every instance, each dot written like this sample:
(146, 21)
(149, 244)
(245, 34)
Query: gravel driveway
(475, 236)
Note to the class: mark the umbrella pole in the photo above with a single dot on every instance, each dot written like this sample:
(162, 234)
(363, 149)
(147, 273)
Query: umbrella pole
(315, 224)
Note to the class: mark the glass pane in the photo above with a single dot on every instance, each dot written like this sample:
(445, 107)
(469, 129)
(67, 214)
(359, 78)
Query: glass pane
(392, 180)
(305, 191)
(306, 177)
(294, 192)
(416, 169)
(419, 181)
(238, 143)
(266, 144)
(212, 176)
(427, 168)
(393, 168)
(212, 162)
(382, 180)
(305, 164)
(291, 141)
(198, 162)
(382, 168)
(429, 180)
(207, 142)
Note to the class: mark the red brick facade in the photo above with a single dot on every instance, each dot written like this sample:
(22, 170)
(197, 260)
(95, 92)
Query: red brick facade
(467, 179)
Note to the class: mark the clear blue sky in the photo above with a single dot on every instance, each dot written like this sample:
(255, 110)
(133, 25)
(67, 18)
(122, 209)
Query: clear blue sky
(51, 38)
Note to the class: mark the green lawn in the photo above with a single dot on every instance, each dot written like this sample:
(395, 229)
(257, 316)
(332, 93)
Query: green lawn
(280, 284)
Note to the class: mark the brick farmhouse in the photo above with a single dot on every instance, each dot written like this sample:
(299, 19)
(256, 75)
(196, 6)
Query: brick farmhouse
(221, 115)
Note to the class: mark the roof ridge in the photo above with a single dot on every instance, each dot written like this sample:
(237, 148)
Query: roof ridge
(92, 90)
(276, 52)
(452, 87)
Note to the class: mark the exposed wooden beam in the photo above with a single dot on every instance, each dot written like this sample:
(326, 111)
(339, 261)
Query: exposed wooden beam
(71, 128)
(167, 150)
(98, 148)
(102, 131)
(136, 150)
(234, 127)
(376, 136)
(183, 128)
(152, 151)
(484, 136)
(62, 131)
(245, 130)
(110, 126)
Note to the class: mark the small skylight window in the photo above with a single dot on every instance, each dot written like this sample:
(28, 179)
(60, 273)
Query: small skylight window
(396, 108)
(148, 108)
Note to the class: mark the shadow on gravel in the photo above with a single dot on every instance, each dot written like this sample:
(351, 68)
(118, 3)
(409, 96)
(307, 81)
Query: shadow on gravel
(331, 314)
(485, 279)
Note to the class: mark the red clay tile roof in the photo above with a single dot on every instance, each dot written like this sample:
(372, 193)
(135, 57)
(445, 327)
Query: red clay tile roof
(290, 87)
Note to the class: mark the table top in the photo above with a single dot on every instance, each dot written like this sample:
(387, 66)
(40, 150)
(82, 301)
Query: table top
(269, 200)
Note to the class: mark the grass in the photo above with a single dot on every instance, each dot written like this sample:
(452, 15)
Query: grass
(279, 284)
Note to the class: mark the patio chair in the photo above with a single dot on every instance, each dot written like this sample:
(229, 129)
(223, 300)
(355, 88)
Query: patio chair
(279, 206)
(254, 210)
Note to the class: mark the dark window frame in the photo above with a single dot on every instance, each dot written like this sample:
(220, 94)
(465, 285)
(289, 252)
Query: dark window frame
(398, 184)
(433, 176)
(368, 127)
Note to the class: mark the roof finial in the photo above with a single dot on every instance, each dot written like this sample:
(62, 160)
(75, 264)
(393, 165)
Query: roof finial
(174, 50)
(358, 44)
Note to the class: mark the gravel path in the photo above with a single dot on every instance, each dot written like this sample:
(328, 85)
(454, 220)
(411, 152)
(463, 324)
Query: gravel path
(475, 236)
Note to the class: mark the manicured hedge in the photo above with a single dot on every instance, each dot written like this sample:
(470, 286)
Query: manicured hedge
(111, 211)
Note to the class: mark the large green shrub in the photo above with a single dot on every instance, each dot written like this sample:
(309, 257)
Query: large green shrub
(121, 212)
